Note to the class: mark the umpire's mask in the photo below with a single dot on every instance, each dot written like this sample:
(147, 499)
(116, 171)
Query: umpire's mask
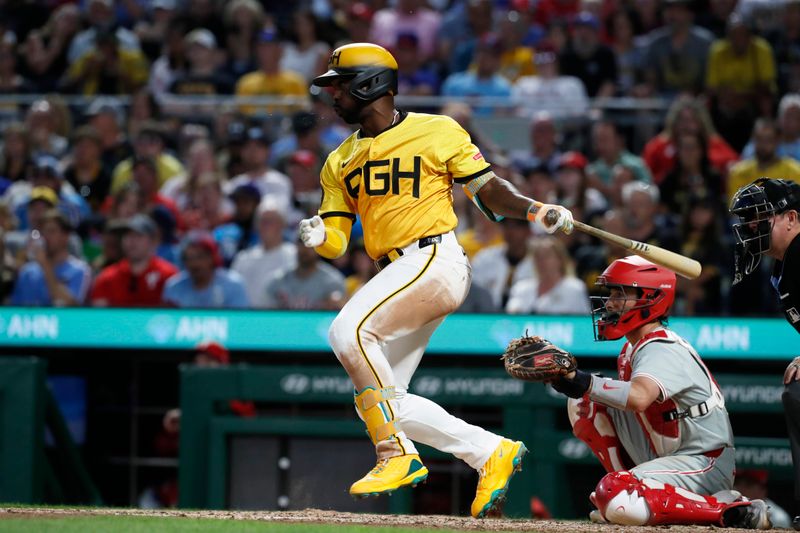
(755, 205)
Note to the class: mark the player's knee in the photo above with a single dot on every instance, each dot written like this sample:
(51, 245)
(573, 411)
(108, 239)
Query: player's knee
(342, 338)
(619, 499)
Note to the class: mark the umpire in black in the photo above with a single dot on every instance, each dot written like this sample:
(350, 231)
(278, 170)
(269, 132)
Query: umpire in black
(769, 224)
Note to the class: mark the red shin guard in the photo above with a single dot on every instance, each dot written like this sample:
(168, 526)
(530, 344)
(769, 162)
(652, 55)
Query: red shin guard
(592, 424)
(624, 499)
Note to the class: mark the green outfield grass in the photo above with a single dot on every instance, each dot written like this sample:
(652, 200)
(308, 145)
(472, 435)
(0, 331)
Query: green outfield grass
(146, 524)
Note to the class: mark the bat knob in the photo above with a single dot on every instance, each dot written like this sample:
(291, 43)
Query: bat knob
(551, 217)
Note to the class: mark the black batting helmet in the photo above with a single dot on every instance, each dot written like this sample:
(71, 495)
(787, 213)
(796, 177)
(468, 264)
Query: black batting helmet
(371, 69)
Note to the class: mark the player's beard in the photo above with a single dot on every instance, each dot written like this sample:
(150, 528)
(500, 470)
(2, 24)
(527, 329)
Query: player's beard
(351, 116)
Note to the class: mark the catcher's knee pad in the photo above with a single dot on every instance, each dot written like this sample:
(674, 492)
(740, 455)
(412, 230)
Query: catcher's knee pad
(619, 498)
(624, 499)
(596, 429)
(372, 406)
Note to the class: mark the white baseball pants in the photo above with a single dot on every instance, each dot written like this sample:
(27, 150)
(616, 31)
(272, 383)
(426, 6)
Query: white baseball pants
(381, 333)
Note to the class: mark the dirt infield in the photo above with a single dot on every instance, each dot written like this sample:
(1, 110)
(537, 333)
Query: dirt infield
(333, 517)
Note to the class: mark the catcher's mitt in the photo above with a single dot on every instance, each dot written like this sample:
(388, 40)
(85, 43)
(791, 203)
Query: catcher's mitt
(536, 359)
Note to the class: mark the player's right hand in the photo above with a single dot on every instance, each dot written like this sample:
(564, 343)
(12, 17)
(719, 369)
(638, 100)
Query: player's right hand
(551, 217)
(792, 371)
(312, 231)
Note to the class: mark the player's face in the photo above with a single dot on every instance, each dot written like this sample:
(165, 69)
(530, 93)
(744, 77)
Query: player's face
(136, 246)
(618, 302)
(343, 103)
(780, 234)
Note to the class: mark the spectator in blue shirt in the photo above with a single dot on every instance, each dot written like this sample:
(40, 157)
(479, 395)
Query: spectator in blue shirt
(485, 80)
(46, 172)
(240, 233)
(52, 277)
(204, 282)
(413, 77)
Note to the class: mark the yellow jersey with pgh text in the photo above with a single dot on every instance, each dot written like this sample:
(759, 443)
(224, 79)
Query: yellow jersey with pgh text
(400, 182)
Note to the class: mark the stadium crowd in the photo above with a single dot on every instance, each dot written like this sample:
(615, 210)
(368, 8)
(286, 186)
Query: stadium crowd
(125, 200)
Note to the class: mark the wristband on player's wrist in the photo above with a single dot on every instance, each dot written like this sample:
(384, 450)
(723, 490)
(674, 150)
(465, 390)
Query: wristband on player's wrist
(575, 387)
(533, 209)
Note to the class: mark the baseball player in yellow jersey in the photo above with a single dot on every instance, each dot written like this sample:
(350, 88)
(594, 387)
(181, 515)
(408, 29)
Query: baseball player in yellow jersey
(397, 173)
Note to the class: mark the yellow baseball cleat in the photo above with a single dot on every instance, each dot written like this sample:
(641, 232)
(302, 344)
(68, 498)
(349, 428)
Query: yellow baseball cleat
(389, 475)
(495, 475)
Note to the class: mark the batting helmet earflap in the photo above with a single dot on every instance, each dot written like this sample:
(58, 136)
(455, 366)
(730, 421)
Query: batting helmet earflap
(651, 285)
(371, 69)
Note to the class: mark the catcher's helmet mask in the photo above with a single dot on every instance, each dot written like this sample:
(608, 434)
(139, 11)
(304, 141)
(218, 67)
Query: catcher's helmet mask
(756, 205)
(652, 287)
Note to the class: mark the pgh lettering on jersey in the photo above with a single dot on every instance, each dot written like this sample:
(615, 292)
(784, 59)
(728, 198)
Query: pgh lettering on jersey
(400, 182)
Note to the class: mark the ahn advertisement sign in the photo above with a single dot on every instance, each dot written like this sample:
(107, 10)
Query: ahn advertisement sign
(287, 331)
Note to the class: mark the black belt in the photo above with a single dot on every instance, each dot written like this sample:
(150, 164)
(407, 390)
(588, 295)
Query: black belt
(383, 262)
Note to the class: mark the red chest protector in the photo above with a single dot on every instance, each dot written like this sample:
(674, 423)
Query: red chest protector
(663, 433)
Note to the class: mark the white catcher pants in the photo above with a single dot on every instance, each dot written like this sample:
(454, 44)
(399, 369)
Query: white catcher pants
(379, 336)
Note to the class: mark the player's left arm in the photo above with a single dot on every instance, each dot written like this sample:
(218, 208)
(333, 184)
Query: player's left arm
(644, 391)
(635, 395)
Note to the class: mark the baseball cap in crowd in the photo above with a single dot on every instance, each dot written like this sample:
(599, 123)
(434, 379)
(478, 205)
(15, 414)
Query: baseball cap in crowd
(305, 158)
(87, 132)
(586, 18)
(214, 350)
(269, 35)
(151, 130)
(108, 105)
(203, 37)
(140, 224)
(360, 11)
(545, 54)
(246, 190)
(572, 159)
(204, 240)
(236, 132)
(44, 194)
(48, 165)
(256, 133)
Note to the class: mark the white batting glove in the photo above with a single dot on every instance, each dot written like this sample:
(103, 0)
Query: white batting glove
(544, 215)
(312, 231)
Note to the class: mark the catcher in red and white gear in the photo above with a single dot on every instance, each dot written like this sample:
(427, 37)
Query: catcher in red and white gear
(660, 429)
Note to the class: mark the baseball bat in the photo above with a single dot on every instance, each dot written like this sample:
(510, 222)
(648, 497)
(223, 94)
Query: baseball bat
(680, 264)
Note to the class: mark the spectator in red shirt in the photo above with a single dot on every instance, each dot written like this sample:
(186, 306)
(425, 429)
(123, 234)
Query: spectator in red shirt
(138, 279)
(686, 116)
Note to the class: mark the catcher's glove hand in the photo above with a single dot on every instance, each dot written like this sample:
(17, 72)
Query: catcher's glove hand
(536, 359)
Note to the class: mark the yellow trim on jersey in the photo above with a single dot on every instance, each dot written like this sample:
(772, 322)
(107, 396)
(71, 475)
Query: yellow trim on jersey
(375, 308)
